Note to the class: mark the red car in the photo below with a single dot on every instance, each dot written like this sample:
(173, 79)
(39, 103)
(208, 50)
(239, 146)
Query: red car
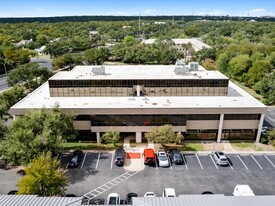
(149, 156)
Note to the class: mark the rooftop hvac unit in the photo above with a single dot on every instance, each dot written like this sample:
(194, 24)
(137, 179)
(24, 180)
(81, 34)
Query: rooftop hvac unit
(181, 70)
(98, 70)
(194, 66)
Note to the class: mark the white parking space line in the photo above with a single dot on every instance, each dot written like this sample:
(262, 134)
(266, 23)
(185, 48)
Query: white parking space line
(256, 162)
(269, 160)
(156, 161)
(112, 160)
(97, 160)
(199, 161)
(214, 162)
(83, 160)
(242, 161)
(229, 163)
(184, 161)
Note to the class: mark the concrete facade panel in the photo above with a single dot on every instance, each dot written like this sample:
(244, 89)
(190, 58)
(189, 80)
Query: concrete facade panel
(202, 124)
(240, 124)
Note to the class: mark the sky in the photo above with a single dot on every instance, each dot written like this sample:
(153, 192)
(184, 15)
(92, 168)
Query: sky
(47, 8)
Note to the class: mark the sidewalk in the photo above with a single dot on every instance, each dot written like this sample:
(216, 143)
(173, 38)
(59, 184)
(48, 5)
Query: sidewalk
(134, 164)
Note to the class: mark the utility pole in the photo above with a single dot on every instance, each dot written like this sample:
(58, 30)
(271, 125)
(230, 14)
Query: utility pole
(139, 33)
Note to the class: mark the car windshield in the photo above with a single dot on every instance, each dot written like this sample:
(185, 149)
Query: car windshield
(223, 159)
(220, 153)
(112, 201)
(163, 158)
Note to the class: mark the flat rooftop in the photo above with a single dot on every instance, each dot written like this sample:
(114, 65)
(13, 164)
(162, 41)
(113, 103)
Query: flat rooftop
(237, 98)
(126, 72)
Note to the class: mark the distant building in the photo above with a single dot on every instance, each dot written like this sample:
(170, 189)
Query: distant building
(197, 44)
(159, 22)
(202, 105)
(23, 43)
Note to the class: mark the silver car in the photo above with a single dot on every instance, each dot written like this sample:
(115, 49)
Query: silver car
(220, 158)
(163, 159)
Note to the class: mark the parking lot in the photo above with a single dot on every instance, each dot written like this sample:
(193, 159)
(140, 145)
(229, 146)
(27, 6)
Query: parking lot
(199, 173)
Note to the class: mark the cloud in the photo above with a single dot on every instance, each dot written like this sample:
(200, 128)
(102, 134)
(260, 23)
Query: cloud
(215, 12)
(117, 13)
(149, 12)
(3, 14)
(257, 12)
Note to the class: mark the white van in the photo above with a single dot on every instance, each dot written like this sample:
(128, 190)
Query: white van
(169, 192)
(243, 190)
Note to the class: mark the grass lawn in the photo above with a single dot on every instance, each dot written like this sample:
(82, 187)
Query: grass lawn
(192, 147)
(90, 146)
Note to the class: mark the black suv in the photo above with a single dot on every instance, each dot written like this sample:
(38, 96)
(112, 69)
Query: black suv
(75, 158)
(176, 157)
(120, 157)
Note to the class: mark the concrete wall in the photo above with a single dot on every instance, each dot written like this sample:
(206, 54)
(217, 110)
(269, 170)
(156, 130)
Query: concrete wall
(202, 124)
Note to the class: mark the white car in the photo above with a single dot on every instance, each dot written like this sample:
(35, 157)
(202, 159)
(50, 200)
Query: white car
(220, 158)
(149, 194)
(163, 159)
(113, 199)
(169, 192)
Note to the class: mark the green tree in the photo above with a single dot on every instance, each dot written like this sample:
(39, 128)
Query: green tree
(44, 177)
(222, 63)
(67, 60)
(96, 56)
(31, 74)
(3, 130)
(8, 98)
(110, 137)
(239, 66)
(271, 136)
(163, 135)
(266, 87)
(36, 132)
(257, 71)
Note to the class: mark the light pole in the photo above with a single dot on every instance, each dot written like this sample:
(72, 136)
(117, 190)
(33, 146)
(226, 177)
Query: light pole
(4, 68)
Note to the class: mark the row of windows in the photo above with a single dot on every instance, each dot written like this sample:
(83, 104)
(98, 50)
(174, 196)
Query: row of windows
(242, 116)
(155, 120)
(147, 83)
(147, 91)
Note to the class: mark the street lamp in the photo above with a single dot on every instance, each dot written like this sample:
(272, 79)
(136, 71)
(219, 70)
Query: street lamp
(4, 68)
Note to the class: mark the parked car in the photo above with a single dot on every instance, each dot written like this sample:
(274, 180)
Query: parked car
(129, 197)
(163, 159)
(75, 158)
(149, 194)
(176, 156)
(220, 158)
(169, 192)
(113, 199)
(149, 157)
(120, 157)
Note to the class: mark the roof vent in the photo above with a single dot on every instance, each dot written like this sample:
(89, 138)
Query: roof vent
(180, 68)
(193, 66)
(98, 70)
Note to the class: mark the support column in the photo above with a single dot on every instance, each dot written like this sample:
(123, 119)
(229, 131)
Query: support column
(260, 125)
(98, 137)
(138, 137)
(138, 90)
(220, 128)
